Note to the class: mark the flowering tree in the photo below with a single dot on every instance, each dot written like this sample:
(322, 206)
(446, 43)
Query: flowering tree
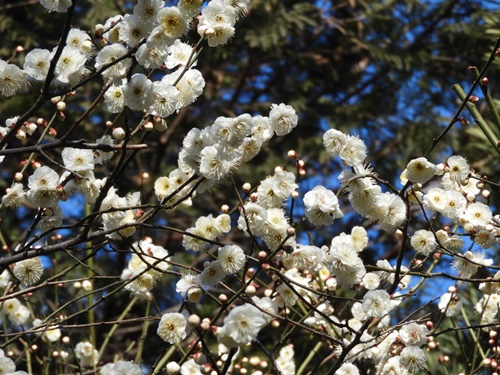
(112, 266)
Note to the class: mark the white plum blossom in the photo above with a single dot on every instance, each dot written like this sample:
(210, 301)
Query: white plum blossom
(15, 196)
(283, 119)
(147, 11)
(377, 303)
(165, 99)
(478, 214)
(458, 168)
(450, 304)
(231, 258)
(468, 264)
(420, 170)
(121, 368)
(77, 159)
(12, 79)
(108, 55)
(334, 142)
(413, 334)
(412, 359)
(347, 369)
(423, 242)
(179, 54)
(190, 85)
(80, 40)
(151, 57)
(133, 30)
(171, 25)
(243, 324)
(28, 271)
(211, 275)
(322, 206)
(70, 62)
(43, 187)
(36, 63)
(138, 92)
(59, 6)
(217, 22)
(86, 354)
(114, 99)
(354, 151)
(172, 328)
(189, 8)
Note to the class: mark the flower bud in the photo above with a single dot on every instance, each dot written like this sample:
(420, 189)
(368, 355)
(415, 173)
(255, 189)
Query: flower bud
(173, 368)
(41, 122)
(61, 106)
(148, 126)
(118, 133)
(21, 135)
(18, 177)
(87, 45)
(87, 285)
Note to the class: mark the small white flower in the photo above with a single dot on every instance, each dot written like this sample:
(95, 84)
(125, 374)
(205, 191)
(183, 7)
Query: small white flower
(36, 63)
(450, 304)
(353, 152)
(377, 303)
(459, 169)
(231, 258)
(86, 354)
(172, 328)
(78, 160)
(282, 118)
(59, 6)
(121, 368)
(470, 262)
(322, 206)
(28, 271)
(190, 367)
(7, 365)
(189, 8)
(179, 54)
(10, 306)
(70, 62)
(243, 323)
(12, 79)
(133, 30)
(171, 23)
(114, 99)
(412, 359)
(478, 214)
(138, 92)
(371, 281)
(211, 275)
(347, 369)
(413, 334)
(420, 170)
(15, 197)
(219, 18)
(108, 55)
(423, 241)
(165, 99)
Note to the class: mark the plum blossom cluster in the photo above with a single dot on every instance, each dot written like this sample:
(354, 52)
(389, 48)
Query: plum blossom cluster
(146, 265)
(365, 196)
